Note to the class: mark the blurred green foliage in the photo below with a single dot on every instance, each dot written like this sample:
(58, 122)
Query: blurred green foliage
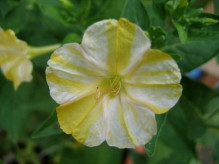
(29, 129)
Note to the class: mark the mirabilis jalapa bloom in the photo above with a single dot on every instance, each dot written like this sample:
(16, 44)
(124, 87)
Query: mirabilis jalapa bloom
(112, 84)
(15, 56)
(13, 59)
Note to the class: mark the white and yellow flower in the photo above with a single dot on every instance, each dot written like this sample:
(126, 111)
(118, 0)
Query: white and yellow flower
(16, 55)
(14, 62)
(112, 84)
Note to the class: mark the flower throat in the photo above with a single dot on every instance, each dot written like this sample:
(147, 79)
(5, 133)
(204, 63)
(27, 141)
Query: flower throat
(110, 85)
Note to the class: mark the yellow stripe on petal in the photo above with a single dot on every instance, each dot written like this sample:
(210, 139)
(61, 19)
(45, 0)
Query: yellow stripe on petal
(69, 75)
(66, 87)
(18, 70)
(158, 98)
(115, 46)
(11, 45)
(83, 119)
(121, 44)
(96, 44)
(117, 133)
(156, 67)
(67, 65)
(154, 82)
(71, 58)
(128, 124)
(13, 61)
(139, 120)
(131, 44)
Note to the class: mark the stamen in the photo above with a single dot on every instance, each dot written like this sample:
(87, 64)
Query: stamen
(115, 90)
(98, 94)
(110, 86)
(115, 86)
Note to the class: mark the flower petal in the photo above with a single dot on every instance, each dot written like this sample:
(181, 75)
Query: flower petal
(157, 98)
(83, 119)
(17, 70)
(11, 45)
(13, 61)
(128, 124)
(69, 76)
(155, 82)
(115, 45)
(118, 120)
(70, 58)
(156, 67)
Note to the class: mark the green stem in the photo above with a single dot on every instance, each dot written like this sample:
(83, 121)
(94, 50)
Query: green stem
(38, 51)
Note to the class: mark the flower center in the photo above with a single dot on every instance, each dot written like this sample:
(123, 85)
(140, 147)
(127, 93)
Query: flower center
(111, 85)
(115, 85)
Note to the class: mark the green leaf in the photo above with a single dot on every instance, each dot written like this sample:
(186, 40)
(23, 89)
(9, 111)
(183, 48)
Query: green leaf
(72, 37)
(215, 153)
(176, 57)
(54, 9)
(159, 9)
(186, 124)
(4, 8)
(201, 44)
(13, 123)
(182, 32)
(135, 12)
(173, 145)
(21, 106)
(150, 147)
(196, 125)
(210, 138)
(200, 107)
(102, 154)
(202, 96)
(174, 135)
(138, 158)
(216, 7)
(157, 36)
(201, 20)
(48, 127)
(110, 9)
(212, 107)
(199, 3)
(172, 5)
(85, 9)
(65, 11)
(12, 116)
(49, 30)
(12, 18)
(193, 53)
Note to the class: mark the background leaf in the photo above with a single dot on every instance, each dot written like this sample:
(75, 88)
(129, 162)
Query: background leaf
(150, 147)
(18, 106)
(216, 7)
(173, 146)
(188, 124)
(97, 155)
(193, 53)
(159, 8)
(182, 32)
(138, 158)
(216, 152)
(112, 9)
(49, 127)
(135, 12)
